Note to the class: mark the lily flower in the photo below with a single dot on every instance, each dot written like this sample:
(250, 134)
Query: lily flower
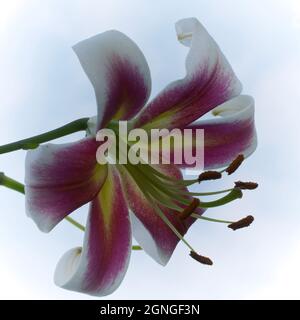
(150, 202)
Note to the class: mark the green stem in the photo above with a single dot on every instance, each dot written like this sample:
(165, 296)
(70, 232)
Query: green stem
(33, 142)
(11, 183)
(17, 186)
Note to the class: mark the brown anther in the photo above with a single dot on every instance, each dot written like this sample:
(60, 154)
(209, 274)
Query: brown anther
(201, 259)
(186, 213)
(246, 185)
(235, 164)
(209, 175)
(245, 222)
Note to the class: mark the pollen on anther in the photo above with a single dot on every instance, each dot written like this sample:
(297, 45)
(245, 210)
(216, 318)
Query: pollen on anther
(245, 222)
(246, 185)
(235, 164)
(201, 259)
(186, 213)
(209, 175)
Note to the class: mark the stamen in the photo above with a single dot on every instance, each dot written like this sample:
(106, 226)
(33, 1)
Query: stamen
(170, 180)
(209, 175)
(163, 196)
(198, 216)
(187, 212)
(201, 259)
(167, 221)
(149, 196)
(167, 192)
(212, 193)
(245, 222)
(235, 164)
(246, 185)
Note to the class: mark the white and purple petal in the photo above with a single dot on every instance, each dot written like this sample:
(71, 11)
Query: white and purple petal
(209, 81)
(230, 133)
(118, 72)
(59, 179)
(99, 266)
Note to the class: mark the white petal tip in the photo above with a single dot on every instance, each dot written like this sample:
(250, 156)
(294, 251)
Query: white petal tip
(234, 106)
(67, 267)
(185, 29)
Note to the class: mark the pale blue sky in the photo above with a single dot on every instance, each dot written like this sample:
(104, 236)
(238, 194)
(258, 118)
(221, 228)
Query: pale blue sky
(43, 86)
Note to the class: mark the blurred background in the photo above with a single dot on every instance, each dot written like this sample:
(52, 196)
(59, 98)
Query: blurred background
(42, 86)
